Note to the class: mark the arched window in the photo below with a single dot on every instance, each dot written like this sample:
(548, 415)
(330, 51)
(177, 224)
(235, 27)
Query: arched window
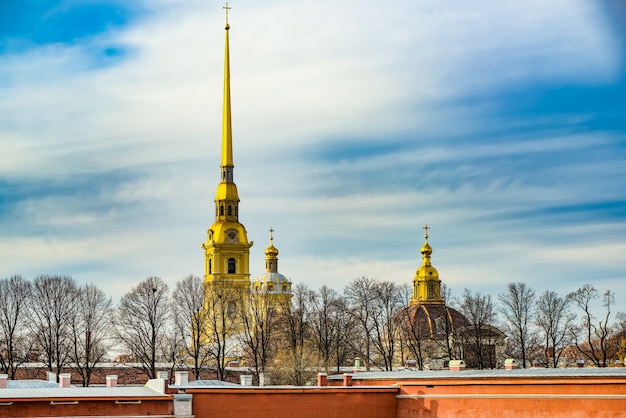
(210, 266)
(222, 210)
(230, 210)
(231, 266)
(431, 290)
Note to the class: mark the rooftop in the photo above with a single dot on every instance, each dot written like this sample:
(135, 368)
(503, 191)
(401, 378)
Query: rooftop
(535, 372)
(80, 392)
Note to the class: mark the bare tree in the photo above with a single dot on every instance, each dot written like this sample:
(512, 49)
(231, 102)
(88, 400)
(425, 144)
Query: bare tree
(346, 330)
(360, 294)
(620, 336)
(480, 312)
(554, 320)
(142, 317)
(621, 323)
(595, 342)
(258, 316)
(91, 329)
(449, 328)
(221, 305)
(191, 320)
(386, 303)
(411, 335)
(52, 311)
(14, 343)
(326, 324)
(518, 303)
(173, 349)
(296, 362)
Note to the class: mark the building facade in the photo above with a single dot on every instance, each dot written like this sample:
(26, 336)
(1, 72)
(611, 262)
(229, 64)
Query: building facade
(435, 333)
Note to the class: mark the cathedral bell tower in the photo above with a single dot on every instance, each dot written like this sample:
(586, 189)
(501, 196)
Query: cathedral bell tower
(227, 250)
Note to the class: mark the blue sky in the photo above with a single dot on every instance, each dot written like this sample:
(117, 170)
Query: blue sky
(500, 124)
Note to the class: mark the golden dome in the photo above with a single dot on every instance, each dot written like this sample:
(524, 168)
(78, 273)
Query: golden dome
(271, 251)
(426, 283)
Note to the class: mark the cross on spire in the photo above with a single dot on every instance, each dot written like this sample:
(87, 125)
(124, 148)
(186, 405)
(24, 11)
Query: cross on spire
(426, 228)
(227, 9)
(271, 232)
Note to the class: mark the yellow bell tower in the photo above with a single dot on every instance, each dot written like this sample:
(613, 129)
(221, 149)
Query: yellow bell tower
(227, 250)
(426, 284)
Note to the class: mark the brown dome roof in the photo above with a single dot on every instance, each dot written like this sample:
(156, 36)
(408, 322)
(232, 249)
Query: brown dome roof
(432, 320)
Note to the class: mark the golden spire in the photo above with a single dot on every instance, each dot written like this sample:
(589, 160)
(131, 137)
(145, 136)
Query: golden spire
(227, 134)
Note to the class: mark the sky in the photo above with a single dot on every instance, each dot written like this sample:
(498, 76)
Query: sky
(501, 125)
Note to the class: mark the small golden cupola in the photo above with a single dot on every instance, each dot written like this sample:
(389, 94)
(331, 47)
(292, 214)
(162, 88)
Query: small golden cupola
(426, 284)
(272, 281)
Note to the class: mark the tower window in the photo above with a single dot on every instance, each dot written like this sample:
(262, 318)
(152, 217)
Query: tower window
(231, 266)
(221, 210)
(230, 210)
(210, 266)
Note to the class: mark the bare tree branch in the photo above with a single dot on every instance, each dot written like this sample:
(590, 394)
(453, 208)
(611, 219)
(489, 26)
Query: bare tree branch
(142, 317)
(14, 302)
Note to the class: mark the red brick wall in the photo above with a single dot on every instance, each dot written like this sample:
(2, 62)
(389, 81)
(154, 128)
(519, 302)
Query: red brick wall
(509, 398)
(514, 399)
(295, 402)
(85, 407)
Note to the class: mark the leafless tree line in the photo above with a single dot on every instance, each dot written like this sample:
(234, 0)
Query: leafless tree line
(203, 326)
(53, 320)
(544, 329)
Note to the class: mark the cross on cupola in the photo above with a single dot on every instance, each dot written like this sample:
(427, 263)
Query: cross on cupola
(227, 9)
(426, 228)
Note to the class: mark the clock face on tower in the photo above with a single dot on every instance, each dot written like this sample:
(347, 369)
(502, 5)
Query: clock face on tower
(232, 236)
